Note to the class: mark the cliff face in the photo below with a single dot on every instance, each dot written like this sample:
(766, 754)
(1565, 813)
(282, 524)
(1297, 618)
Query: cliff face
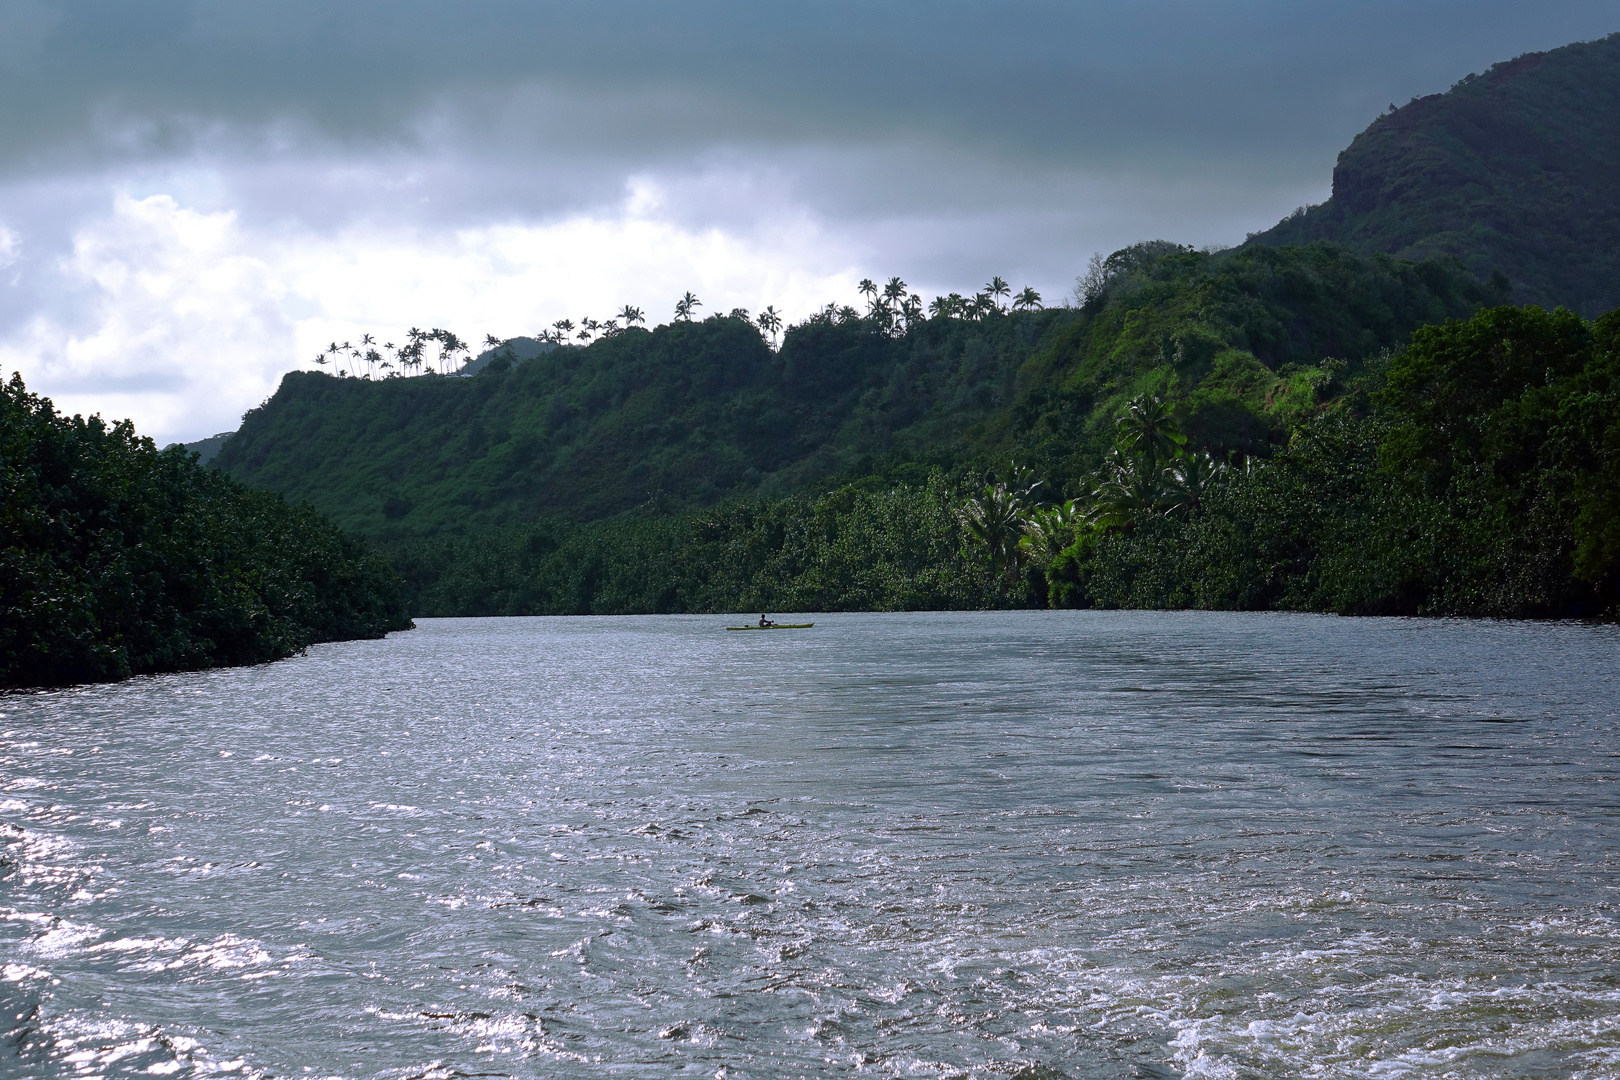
(1516, 171)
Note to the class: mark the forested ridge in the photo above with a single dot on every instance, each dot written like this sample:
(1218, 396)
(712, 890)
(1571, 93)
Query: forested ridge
(693, 413)
(1475, 472)
(1299, 428)
(1514, 171)
(118, 559)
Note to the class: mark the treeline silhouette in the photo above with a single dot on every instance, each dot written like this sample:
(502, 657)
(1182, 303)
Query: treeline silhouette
(890, 307)
(118, 559)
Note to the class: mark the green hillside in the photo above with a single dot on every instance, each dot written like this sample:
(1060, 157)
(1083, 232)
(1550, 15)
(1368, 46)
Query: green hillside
(1516, 171)
(118, 559)
(1474, 472)
(1243, 343)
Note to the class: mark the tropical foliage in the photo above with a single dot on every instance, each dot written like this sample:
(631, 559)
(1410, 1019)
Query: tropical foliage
(1473, 472)
(848, 550)
(117, 559)
(1482, 482)
(1237, 346)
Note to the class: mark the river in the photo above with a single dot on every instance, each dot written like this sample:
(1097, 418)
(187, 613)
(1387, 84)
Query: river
(1033, 844)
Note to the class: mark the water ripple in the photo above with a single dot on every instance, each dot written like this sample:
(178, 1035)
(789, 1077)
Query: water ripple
(1033, 844)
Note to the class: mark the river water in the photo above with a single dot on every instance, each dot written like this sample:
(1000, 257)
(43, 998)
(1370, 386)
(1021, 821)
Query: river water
(1030, 844)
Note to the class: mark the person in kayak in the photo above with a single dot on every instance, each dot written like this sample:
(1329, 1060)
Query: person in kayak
(764, 623)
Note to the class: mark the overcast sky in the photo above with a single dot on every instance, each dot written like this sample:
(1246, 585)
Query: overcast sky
(197, 195)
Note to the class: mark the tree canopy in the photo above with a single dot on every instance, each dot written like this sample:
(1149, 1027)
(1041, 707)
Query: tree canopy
(1238, 345)
(118, 559)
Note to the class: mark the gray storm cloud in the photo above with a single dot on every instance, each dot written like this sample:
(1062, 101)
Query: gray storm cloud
(1104, 84)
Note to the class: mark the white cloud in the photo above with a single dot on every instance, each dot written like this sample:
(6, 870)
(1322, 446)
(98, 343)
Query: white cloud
(181, 325)
(188, 317)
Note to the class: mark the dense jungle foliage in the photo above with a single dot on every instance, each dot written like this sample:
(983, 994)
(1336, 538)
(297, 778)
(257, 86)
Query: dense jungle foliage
(691, 414)
(848, 550)
(1483, 480)
(117, 559)
(1512, 172)
(1475, 472)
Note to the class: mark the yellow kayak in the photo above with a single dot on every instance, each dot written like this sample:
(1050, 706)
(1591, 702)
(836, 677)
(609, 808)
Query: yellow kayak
(776, 626)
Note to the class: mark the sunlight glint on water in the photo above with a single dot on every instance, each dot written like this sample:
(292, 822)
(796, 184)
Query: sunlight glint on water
(1087, 844)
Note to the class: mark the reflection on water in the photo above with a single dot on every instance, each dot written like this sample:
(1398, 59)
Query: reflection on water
(1077, 844)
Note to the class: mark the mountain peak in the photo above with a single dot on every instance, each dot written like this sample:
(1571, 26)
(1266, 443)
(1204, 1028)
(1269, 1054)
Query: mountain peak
(1516, 171)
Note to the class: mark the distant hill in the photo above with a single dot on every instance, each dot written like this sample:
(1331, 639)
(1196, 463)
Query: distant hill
(206, 449)
(1513, 172)
(1244, 343)
(512, 351)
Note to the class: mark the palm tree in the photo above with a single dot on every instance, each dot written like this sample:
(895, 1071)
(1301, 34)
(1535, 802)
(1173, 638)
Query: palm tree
(1028, 300)
(632, 316)
(359, 357)
(1048, 530)
(895, 291)
(1128, 491)
(770, 321)
(1189, 479)
(564, 328)
(684, 306)
(912, 309)
(883, 314)
(345, 349)
(1148, 431)
(738, 313)
(414, 353)
(995, 521)
(503, 347)
(868, 290)
(997, 288)
(1022, 482)
(337, 352)
(450, 347)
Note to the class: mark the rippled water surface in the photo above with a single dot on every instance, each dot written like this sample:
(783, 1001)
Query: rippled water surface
(1036, 844)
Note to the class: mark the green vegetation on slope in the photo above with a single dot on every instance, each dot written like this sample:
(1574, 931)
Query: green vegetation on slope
(848, 550)
(1476, 472)
(117, 559)
(1484, 483)
(694, 413)
(1516, 171)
